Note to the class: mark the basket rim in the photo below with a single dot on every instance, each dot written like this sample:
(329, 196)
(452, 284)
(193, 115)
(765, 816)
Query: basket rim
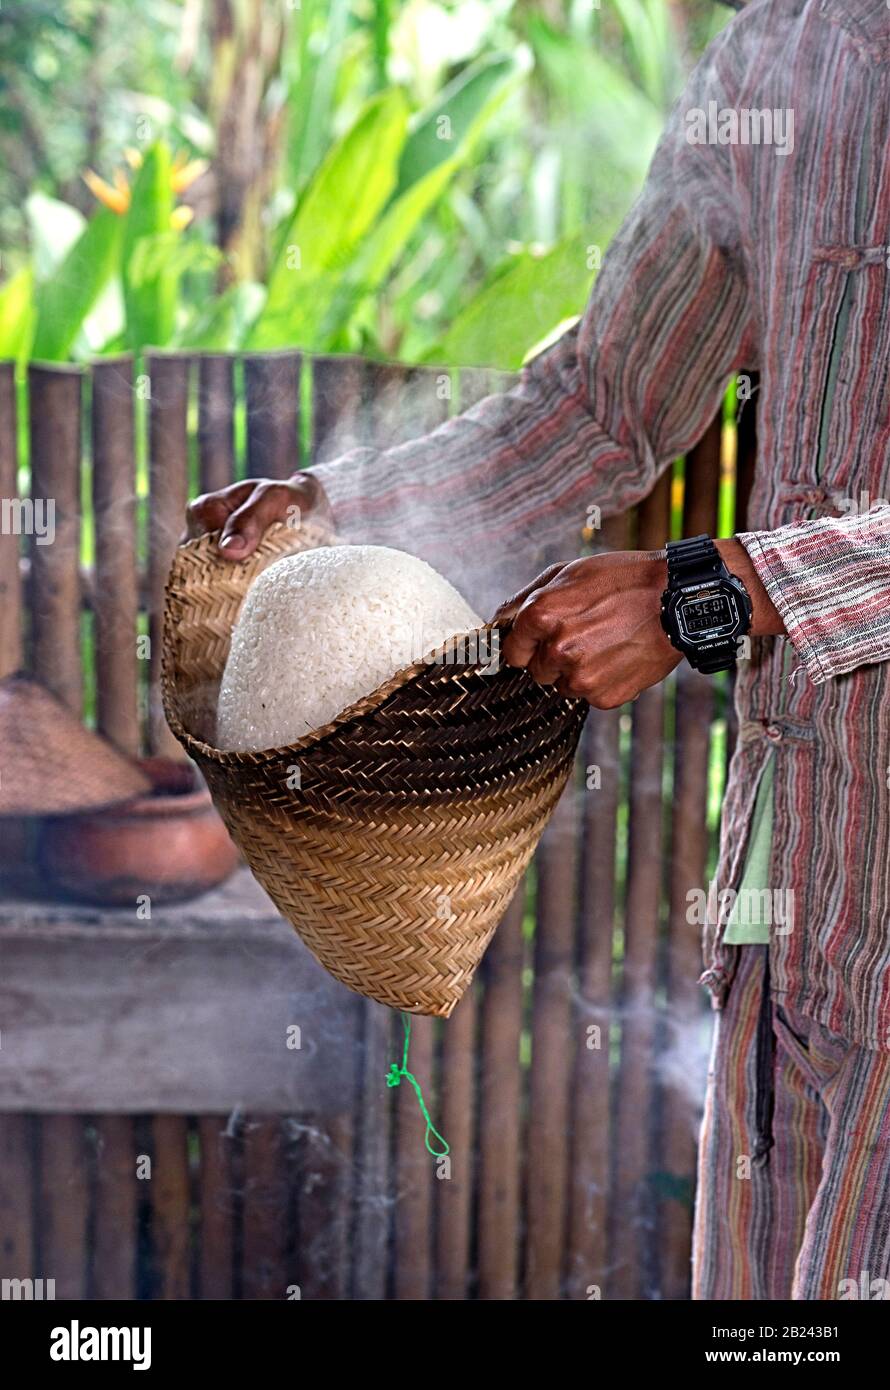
(366, 705)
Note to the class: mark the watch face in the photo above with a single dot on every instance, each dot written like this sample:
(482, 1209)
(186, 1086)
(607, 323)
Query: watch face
(707, 614)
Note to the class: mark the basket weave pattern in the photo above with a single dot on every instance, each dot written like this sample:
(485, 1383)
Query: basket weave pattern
(394, 837)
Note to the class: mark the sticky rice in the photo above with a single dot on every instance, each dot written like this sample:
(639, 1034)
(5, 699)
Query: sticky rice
(320, 630)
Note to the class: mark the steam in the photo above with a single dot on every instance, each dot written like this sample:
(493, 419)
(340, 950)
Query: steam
(408, 505)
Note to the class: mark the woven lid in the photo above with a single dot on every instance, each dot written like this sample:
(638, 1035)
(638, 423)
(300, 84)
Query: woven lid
(49, 763)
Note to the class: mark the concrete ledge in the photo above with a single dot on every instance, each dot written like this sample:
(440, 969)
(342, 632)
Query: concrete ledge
(188, 1012)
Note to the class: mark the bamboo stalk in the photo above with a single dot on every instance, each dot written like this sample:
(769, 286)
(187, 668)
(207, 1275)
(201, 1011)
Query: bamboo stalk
(272, 388)
(115, 1210)
(115, 600)
(594, 1012)
(547, 1176)
(688, 854)
(216, 1251)
(63, 1204)
(18, 1242)
(265, 1270)
(55, 414)
(322, 1168)
(404, 403)
(168, 483)
(453, 1195)
(414, 1173)
(500, 1100)
(475, 384)
(338, 385)
(11, 644)
(631, 1248)
(746, 464)
(746, 455)
(371, 1193)
(216, 417)
(170, 1209)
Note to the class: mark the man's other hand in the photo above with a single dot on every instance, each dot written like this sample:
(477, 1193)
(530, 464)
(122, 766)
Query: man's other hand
(243, 511)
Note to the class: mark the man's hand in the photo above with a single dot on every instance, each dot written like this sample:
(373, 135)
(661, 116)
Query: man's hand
(592, 627)
(243, 511)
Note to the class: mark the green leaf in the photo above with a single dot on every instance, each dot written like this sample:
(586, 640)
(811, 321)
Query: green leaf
(17, 314)
(311, 88)
(619, 125)
(524, 301)
(382, 249)
(65, 299)
(392, 233)
(459, 113)
(347, 193)
(172, 252)
(104, 324)
(223, 325)
(339, 205)
(653, 47)
(150, 302)
(54, 227)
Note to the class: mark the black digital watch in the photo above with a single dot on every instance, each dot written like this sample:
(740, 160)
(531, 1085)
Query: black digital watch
(704, 609)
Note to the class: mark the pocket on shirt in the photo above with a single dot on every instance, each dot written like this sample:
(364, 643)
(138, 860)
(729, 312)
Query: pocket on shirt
(833, 284)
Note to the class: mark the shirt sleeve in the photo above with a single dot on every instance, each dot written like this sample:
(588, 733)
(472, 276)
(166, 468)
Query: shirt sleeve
(593, 420)
(829, 580)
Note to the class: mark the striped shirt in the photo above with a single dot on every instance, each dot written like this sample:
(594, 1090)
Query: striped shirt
(736, 256)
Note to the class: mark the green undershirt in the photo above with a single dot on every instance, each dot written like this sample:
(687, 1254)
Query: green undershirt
(755, 875)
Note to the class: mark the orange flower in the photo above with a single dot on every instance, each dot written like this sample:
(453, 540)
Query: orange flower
(117, 195)
(117, 198)
(185, 171)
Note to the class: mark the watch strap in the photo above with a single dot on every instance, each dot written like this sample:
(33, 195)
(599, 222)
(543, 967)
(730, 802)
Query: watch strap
(721, 658)
(693, 560)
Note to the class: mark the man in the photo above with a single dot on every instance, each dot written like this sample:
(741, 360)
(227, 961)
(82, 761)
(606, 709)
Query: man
(737, 256)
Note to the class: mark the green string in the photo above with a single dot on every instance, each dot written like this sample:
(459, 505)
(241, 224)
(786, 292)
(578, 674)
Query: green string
(394, 1078)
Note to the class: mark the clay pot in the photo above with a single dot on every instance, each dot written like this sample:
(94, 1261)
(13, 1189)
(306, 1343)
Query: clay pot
(169, 844)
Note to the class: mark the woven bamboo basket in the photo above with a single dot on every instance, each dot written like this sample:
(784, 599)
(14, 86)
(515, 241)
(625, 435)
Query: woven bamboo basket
(393, 837)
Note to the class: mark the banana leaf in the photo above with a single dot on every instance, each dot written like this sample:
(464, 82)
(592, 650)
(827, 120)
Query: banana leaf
(616, 121)
(150, 300)
(380, 251)
(170, 251)
(17, 315)
(526, 298)
(222, 325)
(339, 206)
(461, 109)
(653, 47)
(65, 299)
(312, 86)
(53, 228)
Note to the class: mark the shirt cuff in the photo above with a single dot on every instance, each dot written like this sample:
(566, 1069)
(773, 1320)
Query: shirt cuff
(829, 580)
